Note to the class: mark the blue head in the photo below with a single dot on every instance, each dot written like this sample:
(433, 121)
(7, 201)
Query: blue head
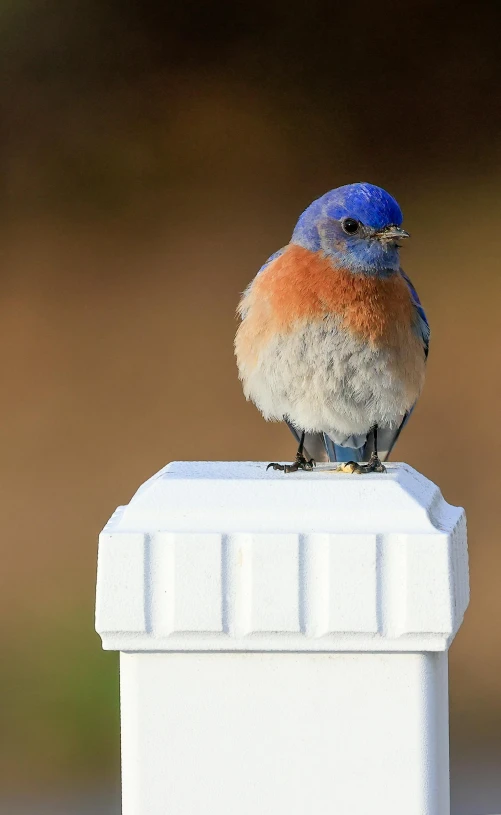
(358, 225)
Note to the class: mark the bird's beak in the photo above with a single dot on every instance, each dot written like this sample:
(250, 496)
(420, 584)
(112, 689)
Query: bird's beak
(390, 234)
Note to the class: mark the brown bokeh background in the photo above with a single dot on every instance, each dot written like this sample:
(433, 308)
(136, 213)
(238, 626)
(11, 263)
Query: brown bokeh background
(154, 155)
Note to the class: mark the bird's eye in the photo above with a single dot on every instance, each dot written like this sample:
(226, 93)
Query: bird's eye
(350, 226)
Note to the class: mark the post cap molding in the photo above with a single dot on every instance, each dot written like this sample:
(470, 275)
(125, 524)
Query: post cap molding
(227, 556)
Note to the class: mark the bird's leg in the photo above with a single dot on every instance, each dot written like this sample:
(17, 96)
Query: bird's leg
(373, 465)
(300, 462)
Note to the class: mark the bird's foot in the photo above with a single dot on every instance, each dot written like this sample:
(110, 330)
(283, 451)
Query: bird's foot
(300, 463)
(373, 466)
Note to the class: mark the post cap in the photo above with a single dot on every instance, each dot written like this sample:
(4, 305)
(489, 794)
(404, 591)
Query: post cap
(228, 556)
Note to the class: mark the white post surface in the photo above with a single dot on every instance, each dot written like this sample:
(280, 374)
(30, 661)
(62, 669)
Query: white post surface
(284, 640)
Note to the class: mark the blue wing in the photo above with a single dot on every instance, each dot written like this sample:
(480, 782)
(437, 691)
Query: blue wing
(359, 448)
(422, 325)
(271, 258)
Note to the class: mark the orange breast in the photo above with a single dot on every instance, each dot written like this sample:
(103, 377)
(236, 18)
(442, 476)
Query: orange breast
(301, 285)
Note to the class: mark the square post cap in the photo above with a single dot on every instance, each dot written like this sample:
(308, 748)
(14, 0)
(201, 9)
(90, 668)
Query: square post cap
(226, 556)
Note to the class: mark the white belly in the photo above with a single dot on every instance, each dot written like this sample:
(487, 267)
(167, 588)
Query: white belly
(326, 380)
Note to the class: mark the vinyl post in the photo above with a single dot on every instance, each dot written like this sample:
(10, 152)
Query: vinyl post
(283, 640)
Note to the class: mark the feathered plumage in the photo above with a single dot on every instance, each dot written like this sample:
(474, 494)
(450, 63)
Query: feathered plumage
(333, 336)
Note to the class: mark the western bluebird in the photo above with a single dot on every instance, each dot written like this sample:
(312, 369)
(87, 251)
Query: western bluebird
(333, 337)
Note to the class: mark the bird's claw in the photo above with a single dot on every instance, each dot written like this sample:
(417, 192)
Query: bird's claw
(300, 463)
(373, 466)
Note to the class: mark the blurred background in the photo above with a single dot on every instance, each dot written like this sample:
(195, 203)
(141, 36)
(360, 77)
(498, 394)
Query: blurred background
(154, 155)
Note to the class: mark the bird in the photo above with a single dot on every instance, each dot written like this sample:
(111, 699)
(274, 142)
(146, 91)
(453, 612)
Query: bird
(333, 338)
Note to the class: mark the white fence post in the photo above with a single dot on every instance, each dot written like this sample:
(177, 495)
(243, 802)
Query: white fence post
(284, 640)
